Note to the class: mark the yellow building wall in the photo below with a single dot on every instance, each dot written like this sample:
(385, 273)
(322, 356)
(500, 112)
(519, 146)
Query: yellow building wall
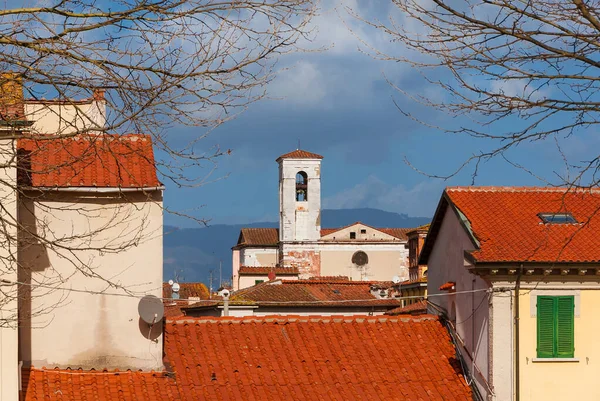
(562, 380)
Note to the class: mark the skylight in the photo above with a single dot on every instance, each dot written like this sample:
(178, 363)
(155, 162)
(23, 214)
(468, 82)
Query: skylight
(557, 218)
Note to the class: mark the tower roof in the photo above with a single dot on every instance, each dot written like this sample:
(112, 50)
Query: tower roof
(299, 154)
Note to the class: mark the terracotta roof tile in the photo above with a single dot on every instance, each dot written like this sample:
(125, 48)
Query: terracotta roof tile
(67, 384)
(315, 293)
(270, 236)
(397, 232)
(505, 222)
(299, 154)
(421, 280)
(416, 308)
(450, 285)
(101, 160)
(249, 270)
(186, 290)
(276, 358)
(258, 237)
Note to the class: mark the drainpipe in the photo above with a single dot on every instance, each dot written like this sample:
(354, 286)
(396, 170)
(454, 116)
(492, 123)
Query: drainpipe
(517, 364)
(225, 306)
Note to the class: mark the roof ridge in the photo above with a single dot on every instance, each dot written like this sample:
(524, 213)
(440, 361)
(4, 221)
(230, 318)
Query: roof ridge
(297, 318)
(493, 188)
(299, 154)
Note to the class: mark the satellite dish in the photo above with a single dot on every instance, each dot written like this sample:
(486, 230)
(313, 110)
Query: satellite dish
(170, 282)
(151, 309)
(395, 279)
(175, 287)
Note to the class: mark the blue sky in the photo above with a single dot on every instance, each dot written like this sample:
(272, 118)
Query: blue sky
(338, 104)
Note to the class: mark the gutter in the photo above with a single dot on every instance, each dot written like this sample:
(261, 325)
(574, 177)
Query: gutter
(96, 189)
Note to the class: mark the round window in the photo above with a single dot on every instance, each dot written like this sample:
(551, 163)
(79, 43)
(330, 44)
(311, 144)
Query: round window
(360, 258)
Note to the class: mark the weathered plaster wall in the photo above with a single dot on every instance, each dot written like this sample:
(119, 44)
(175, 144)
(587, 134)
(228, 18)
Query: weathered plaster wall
(470, 311)
(235, 265)
(258, 257)
(120, 239)
(299, 221)
(386, 260)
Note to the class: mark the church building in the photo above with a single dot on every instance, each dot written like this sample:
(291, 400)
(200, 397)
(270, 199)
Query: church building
(300, 248)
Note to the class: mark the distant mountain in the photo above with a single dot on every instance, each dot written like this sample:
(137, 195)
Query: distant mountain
(191, 253)
(331, 218)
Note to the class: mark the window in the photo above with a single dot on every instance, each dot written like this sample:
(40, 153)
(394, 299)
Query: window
(360, 258)
(301, 187)
(352, 235)
(557, 218)
(256, 282)
(363, 231)
(555, 327)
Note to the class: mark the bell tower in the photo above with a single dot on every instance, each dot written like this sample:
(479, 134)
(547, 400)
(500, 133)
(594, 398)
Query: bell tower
(299, 196)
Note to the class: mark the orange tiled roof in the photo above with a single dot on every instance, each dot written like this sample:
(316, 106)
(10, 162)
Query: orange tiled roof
(102, 160)
(279, 358)
(300, 154)
(448, 286)
(270, 236)
(416, 308)
(505, 225)
(397, 232)
(258, 237)
(267, 269)
(186, 290)
(67, 384)
(420, 280)
(314, 293)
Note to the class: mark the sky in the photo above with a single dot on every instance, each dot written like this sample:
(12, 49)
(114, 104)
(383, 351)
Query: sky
(339, 103)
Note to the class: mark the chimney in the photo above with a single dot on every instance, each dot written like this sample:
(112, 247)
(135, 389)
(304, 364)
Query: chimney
(99, 94)
(12, 109)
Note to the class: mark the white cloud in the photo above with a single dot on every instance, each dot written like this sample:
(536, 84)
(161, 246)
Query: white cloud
(420, 200)
(302, 84)
(337, 74)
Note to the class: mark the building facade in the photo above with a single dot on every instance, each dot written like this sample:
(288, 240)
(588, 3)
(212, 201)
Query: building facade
(81, 239)
(516, 273)
(302, 248)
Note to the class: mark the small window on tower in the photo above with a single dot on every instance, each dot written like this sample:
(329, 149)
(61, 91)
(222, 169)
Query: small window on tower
(301, 187)
(352, 235)
(363, 231)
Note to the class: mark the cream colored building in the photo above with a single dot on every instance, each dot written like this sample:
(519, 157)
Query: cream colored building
(82, 240)
(300, 248)
(488, 244)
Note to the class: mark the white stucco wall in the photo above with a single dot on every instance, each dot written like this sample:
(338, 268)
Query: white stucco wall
(471, 312)
(9, 362)
(63, 118)
(299, 221)
(71, 329)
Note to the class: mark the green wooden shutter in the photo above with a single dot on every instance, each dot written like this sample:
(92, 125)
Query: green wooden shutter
(545, 327)
(565, 319)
